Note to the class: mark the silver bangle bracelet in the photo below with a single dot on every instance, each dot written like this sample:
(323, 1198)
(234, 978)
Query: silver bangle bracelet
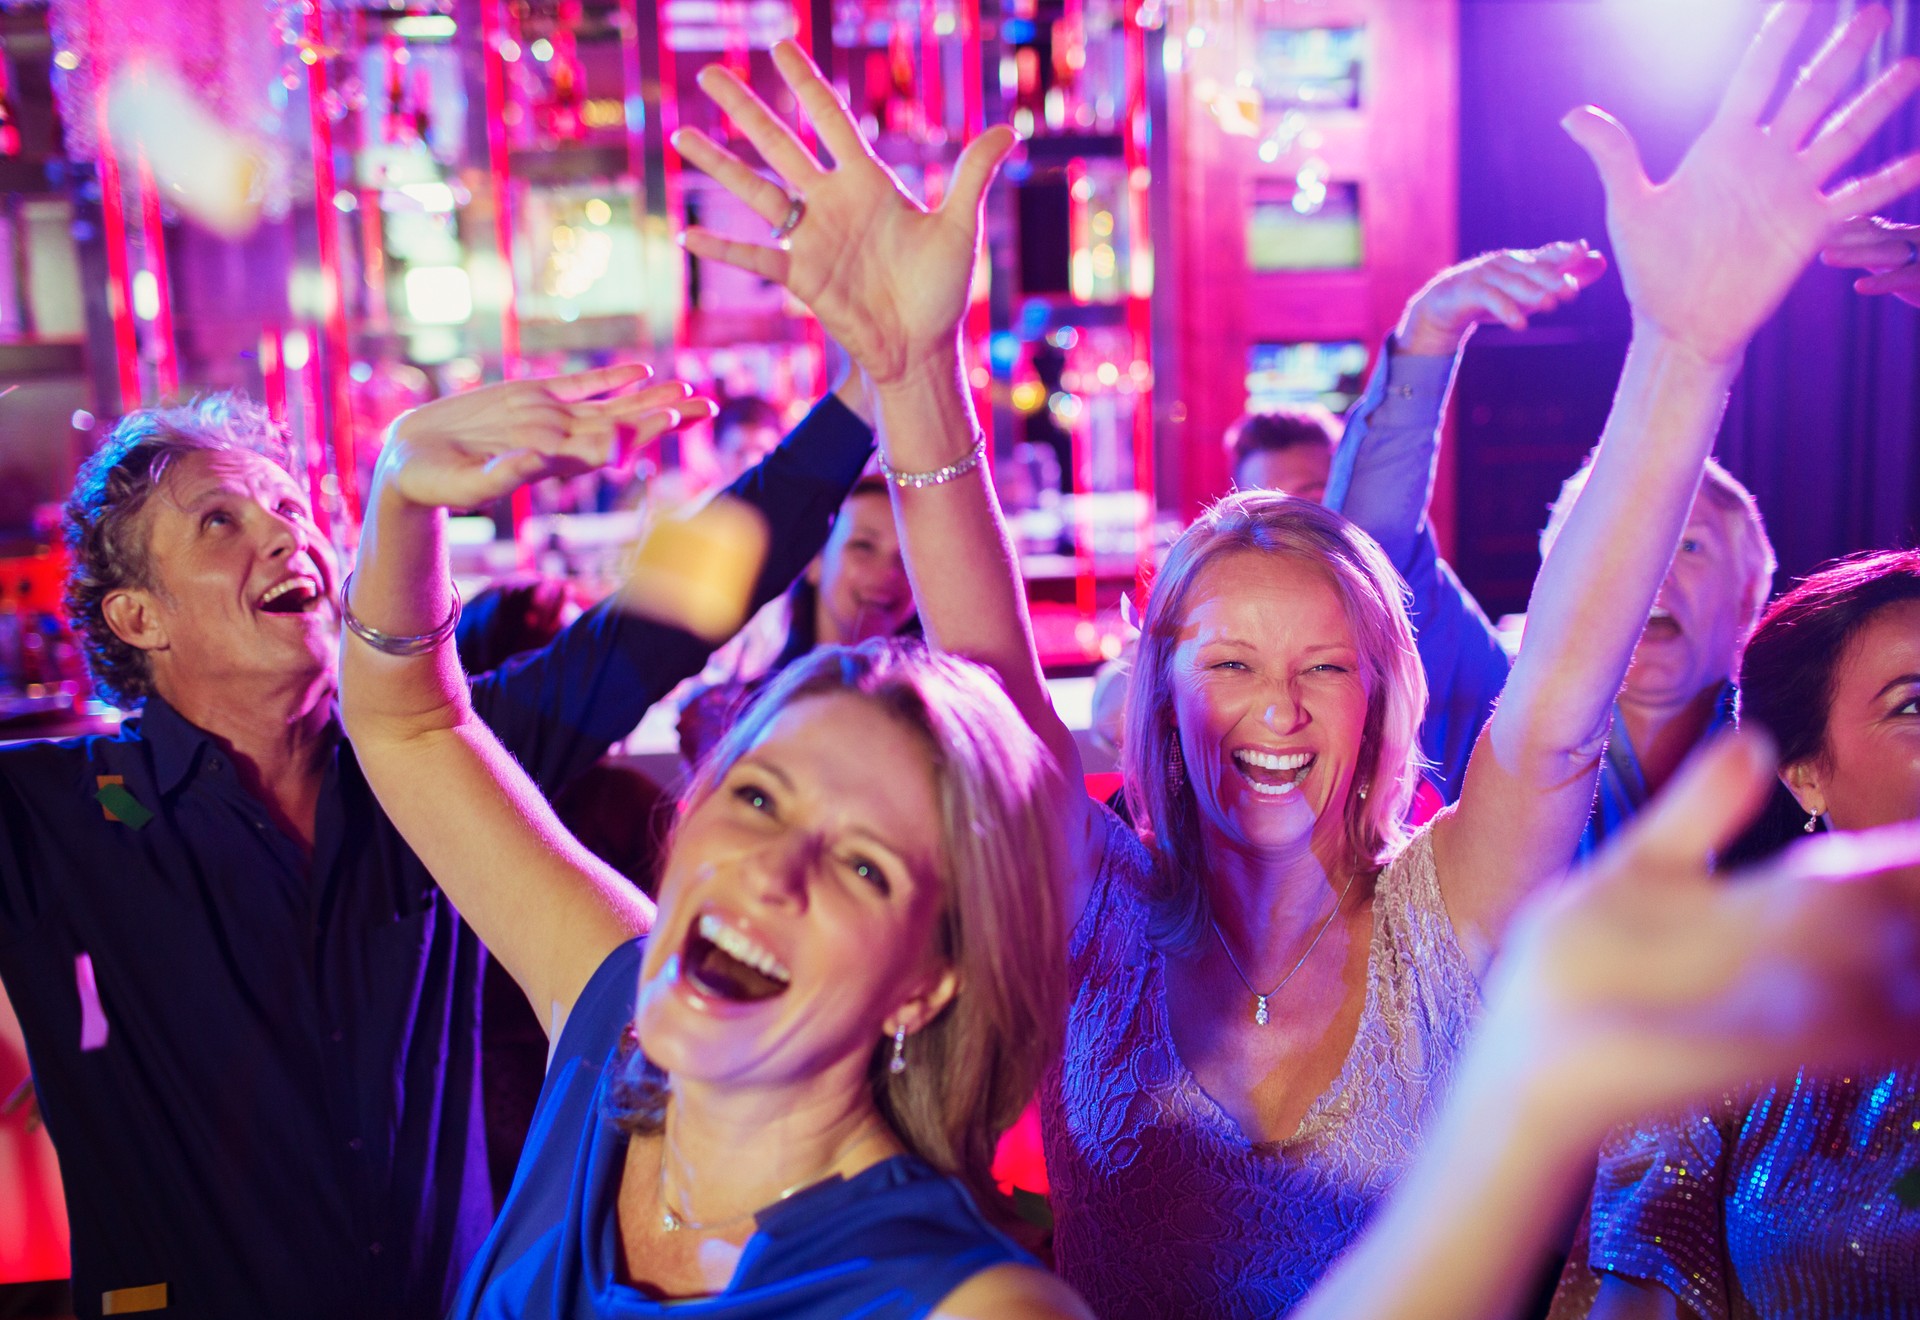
(387, 642)
(939, 476)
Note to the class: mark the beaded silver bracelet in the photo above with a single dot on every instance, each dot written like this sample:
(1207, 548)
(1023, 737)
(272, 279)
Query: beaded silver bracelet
(418, 644)
(939, 476)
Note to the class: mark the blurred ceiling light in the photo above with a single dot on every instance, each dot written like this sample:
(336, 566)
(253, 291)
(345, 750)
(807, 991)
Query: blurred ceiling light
(439, 295)
(423, 27)
(146, 295)
(296, 350)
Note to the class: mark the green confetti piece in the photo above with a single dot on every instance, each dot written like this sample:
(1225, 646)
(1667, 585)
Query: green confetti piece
(123, 806)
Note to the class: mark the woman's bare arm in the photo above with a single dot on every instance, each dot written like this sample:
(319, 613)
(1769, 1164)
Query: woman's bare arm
(547, 908)
(889, 279)
(1706, 258)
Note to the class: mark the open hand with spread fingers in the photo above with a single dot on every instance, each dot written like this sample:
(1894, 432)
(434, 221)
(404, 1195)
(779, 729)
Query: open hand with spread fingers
(1507, 287)
(1649, 981)
(1890, 252)
(467, 449)
(887, 276)
(1708, 255)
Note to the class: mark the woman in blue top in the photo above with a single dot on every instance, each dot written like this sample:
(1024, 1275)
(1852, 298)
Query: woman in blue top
(785, 1099)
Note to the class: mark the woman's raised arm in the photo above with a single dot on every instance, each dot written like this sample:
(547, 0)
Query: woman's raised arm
(546, 907)
(1706, 258)
(1647, 984)
(889, 278)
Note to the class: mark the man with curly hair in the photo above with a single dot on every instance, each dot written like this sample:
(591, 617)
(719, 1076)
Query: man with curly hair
(252, 1016)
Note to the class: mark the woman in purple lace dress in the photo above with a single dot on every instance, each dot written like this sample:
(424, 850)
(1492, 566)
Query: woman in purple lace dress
(1272, 982)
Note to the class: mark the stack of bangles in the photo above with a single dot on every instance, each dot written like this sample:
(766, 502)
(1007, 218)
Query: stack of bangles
(939, 476)
(388, 643)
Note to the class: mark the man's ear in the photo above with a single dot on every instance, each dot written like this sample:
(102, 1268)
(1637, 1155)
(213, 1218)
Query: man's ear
(1805, 781)
(133, 615)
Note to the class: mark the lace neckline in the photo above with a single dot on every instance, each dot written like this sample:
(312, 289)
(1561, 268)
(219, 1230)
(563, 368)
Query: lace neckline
(1214, 1115)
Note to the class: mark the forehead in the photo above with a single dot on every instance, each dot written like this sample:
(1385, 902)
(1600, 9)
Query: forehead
(1266, 599)
(1885, 649)
(861, 764)
(1284, 469)
(869, 511)
(200, 474)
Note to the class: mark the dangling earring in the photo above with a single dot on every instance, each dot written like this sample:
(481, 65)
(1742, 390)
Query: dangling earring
(1813, 821)
(1176, 765)
(1364, 786)
(898, 1064)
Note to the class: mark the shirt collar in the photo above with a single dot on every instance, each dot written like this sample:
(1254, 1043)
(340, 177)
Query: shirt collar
(178, 744)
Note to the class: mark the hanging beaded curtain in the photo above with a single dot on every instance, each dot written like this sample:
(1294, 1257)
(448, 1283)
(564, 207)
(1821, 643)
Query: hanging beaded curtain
(229, 55)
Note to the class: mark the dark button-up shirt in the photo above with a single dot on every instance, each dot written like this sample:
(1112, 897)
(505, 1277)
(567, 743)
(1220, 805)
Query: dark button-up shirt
(260, 1069)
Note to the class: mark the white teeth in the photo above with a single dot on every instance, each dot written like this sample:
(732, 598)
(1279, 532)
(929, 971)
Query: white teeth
(1659, 613)
(1268, 761)
(1274, 790)
(291, 584)
(742, 947)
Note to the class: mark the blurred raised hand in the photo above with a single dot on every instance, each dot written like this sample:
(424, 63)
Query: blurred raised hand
(468, 449)
(1890, 252)
(1505, 287)
(1648, 981)
(887, 276)
(1708, 255)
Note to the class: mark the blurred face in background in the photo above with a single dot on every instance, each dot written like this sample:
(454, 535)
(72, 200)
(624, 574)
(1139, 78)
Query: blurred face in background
(740, 447)
(1702, 615)
(1298, 470)
(861, 578)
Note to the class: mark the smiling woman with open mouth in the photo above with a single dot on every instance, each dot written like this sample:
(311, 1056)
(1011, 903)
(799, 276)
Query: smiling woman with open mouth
(784, 1100)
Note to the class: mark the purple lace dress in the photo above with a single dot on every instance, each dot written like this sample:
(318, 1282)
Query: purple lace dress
(1162, 1207)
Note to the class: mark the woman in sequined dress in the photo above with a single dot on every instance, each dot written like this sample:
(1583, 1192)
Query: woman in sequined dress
(1802, 1199)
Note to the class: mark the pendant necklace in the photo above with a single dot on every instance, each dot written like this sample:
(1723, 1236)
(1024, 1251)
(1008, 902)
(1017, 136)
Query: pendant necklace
(1260, 1015)
(672, 1221)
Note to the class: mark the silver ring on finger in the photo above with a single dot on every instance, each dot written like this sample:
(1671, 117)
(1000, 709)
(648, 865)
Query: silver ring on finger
(796, 212)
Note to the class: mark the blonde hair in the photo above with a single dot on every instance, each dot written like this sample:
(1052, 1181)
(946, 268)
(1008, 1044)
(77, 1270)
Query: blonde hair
(1374, 598)
(974, 1067)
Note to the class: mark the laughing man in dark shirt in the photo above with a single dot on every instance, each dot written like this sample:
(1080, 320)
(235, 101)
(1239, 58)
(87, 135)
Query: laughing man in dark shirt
(251, 1015)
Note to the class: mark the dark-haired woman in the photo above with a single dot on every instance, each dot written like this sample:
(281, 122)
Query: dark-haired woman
(1802, 1199)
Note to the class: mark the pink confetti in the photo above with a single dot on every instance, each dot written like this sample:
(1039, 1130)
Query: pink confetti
(93, 1019)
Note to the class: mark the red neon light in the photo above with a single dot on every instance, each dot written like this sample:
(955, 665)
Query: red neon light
(154, 235)
(113, 226)
(333, 405)
(1139, 311)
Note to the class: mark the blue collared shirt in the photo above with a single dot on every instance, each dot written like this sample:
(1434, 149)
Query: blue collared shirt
(260, 1069)
(1622, 790)
(1382, 480)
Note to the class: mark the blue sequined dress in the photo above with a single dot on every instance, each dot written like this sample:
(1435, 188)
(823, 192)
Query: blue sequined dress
(1801, 1202)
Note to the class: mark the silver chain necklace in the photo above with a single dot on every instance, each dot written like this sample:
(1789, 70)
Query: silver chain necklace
(672, 1221)
(1260, 1015)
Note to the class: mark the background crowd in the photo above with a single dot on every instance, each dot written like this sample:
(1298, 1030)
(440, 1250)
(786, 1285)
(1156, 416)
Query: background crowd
(1328, 1014)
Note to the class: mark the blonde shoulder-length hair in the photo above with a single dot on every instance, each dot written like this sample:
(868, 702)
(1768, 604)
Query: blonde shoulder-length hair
(974, 1067)
(1388, 770)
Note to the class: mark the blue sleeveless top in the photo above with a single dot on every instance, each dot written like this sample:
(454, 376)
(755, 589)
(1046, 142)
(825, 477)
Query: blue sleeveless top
(887, 1244)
